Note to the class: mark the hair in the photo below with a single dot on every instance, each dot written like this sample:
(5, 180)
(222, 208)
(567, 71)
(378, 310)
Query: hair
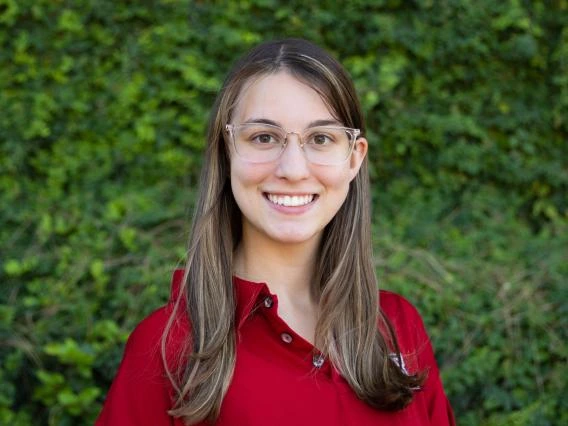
(351, 329)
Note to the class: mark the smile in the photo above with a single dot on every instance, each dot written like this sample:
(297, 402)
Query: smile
(290, 200)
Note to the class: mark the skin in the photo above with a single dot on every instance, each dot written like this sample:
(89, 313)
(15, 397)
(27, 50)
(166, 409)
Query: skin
(286, 238)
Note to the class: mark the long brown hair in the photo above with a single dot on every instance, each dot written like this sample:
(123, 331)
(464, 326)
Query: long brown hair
(350, 321)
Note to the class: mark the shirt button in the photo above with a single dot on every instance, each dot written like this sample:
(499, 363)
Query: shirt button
(286, 338)
(318, 360)
(268, 302)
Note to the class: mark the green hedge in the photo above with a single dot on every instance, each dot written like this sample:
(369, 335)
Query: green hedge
(104, 107)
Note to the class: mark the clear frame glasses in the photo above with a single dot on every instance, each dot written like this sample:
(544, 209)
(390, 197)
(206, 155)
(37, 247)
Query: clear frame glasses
(263, 143)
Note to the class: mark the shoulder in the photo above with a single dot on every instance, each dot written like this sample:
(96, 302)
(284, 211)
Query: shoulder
(397, 308)
(141, 393)
(409, 329)
(142, 359)
(418, 355)
(145, 341)
(151, 327)
(170, 319)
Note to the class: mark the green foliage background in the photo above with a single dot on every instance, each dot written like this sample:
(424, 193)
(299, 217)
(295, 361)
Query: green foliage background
(103, 110)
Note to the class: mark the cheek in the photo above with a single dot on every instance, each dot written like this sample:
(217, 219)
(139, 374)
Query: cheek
(246, 177)
(336, 179)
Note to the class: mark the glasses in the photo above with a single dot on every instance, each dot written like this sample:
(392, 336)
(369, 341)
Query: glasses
(262, 143)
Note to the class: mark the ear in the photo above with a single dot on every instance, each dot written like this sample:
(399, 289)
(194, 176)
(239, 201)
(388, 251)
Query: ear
(357, 156)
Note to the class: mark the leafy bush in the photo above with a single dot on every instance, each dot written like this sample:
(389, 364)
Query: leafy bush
(104, 112)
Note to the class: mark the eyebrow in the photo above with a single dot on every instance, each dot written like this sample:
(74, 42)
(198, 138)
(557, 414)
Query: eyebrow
(315, 123)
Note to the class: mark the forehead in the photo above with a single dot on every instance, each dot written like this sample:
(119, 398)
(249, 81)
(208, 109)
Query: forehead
(280, 97)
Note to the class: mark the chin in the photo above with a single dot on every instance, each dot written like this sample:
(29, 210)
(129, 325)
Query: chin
(293, 237)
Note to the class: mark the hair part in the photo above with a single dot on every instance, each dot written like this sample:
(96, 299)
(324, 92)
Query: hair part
(349, 324)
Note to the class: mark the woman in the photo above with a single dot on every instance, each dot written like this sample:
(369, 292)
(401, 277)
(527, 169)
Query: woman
(276, 318)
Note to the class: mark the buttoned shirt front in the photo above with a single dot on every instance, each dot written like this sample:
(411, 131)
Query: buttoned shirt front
(279, 377)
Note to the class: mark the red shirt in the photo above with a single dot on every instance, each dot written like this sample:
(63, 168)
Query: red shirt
(277, 380)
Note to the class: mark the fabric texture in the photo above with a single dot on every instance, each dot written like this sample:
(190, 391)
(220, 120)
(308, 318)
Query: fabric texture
(279, 379)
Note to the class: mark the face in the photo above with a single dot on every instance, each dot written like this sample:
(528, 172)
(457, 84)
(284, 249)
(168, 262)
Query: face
(288, 200)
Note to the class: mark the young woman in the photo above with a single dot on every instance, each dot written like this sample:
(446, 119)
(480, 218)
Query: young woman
(276, 318)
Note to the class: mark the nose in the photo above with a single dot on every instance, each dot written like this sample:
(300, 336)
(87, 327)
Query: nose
(292, 163)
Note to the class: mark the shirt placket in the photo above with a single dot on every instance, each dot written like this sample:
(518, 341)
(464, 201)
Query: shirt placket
(292, 341)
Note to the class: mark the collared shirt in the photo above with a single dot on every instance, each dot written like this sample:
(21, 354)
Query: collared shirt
(279, 378)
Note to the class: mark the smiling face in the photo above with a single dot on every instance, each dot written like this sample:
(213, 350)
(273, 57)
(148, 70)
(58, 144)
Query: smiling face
(288, 200)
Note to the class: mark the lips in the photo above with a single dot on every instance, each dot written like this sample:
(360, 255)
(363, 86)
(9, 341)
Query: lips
(290, 200)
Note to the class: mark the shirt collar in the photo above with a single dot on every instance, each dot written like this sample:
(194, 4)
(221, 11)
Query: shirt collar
(248, 294)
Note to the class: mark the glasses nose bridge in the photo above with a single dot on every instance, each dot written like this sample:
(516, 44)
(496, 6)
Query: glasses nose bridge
(298, 134)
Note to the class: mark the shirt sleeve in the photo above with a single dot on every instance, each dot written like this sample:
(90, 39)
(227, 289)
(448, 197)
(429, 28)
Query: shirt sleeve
(417, 349)
(140, 393)
(439, 410)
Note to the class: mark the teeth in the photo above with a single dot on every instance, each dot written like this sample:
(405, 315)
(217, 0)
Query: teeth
(291, 201)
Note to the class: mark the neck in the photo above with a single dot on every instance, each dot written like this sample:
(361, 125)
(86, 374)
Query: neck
(287, 269)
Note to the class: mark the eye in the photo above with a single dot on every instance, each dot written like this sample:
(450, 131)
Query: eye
(321, 139)
(264, 139)
(260, 136)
